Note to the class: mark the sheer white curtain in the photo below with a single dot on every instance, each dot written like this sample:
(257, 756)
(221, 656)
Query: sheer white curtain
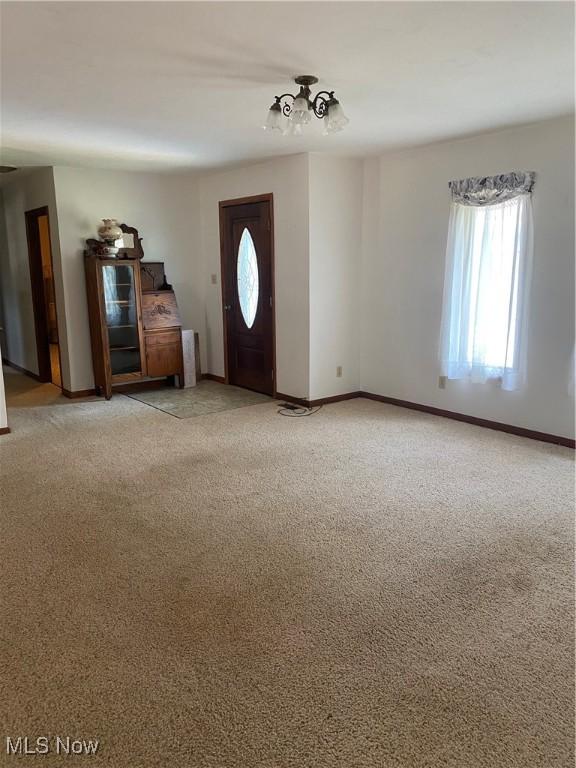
(488, 264)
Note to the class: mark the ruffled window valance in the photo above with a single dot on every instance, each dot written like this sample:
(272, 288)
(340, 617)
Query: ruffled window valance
(486, 190)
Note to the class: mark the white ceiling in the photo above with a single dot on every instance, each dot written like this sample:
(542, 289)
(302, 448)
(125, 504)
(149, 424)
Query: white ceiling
(187, 85)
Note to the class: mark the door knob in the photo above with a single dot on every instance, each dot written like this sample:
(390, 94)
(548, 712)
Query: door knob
(227, 307)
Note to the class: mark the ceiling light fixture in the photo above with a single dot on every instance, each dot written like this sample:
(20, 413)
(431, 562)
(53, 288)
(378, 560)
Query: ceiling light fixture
(289, 113)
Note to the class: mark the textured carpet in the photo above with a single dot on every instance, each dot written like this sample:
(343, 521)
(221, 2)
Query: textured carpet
(367, 588)
(24, 392)
(206, 397)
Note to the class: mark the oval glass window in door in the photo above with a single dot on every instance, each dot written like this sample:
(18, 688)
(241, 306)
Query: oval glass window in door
(248, 285)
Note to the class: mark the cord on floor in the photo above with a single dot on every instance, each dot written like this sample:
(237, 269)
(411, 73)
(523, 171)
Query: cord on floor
(293, 411)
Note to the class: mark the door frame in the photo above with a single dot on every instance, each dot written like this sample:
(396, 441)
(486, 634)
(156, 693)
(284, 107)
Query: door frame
(222, 205)
(38, 296)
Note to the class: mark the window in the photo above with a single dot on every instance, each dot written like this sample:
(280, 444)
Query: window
(487, 268)
(248, 283)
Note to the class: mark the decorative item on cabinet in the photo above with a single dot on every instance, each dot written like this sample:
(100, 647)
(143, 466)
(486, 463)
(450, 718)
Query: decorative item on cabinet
(109, 233)
(135, 335)
(96, 248)
(116, 241)
(109, 230)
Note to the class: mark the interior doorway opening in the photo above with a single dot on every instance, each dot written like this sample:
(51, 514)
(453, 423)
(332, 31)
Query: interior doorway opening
(43, 295)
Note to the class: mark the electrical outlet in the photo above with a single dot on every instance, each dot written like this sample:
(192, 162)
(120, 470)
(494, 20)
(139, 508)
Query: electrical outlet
(214, 279)
(338, 371)
(442, 382)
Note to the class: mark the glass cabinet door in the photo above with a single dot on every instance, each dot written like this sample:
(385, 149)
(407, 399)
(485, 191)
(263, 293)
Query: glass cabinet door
(121, 317)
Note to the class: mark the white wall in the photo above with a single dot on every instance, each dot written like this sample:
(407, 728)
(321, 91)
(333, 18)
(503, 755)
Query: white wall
(405, 226)
(335, 264)
(20, 193)
(164, 209)
(287, 179)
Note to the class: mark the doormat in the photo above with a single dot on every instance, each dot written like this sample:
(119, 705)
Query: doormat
(206, 397)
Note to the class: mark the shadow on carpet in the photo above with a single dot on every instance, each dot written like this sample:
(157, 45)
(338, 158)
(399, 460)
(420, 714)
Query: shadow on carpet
(206, 397)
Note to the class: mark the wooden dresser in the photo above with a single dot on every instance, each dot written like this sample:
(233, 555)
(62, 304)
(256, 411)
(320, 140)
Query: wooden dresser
(136, 334)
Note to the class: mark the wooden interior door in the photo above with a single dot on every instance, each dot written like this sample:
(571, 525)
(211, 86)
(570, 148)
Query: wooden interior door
(247, 237)
(43, 295)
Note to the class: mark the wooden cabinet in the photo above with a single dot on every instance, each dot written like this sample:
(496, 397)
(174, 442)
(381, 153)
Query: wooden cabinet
(134, 334)
(163, 352)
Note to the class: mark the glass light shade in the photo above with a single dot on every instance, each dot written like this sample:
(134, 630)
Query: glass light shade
(292, 128)
(336, 119)
(300, 114)
(274, 121)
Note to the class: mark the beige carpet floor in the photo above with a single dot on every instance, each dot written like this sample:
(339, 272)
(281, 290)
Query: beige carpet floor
(367, 588)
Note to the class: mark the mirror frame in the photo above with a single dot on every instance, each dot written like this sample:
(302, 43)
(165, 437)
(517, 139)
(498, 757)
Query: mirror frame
(137, 251)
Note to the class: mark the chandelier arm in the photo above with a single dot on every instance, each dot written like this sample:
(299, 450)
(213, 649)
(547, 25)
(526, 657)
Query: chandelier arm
(286, 107)
(320, 103)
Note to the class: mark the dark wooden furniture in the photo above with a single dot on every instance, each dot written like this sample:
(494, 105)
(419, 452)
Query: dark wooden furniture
(152, 277)
(135, 334)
